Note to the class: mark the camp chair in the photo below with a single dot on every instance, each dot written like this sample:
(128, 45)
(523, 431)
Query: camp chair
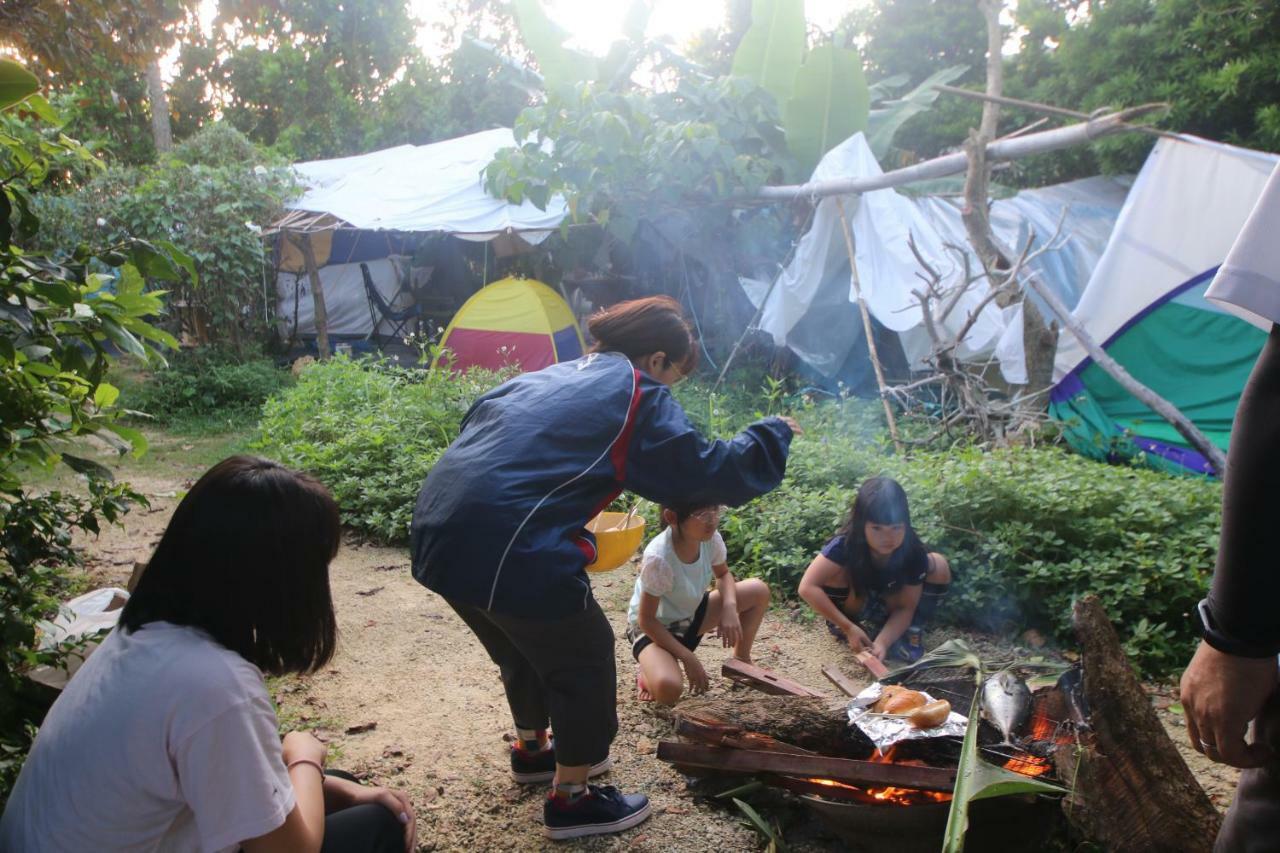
(379, 306)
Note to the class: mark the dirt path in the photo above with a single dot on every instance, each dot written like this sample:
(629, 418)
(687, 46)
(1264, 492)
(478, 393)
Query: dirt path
(411, 701)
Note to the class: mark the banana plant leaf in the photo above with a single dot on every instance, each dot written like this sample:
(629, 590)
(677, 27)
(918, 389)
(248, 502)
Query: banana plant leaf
(829, 103)
(16, 83)
(509, 70)
(560, 65)
(884, 122)
(771, 51)
(978, 780)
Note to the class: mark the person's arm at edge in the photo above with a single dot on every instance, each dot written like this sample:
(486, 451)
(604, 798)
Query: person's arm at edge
(303, 828)
(811, 591)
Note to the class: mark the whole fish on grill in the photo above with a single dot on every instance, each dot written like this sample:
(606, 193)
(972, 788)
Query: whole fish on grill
(1006, 703)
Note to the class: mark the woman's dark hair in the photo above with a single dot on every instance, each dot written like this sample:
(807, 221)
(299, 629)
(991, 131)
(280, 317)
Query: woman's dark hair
(880, 500)
(643, 326)
(246, 558)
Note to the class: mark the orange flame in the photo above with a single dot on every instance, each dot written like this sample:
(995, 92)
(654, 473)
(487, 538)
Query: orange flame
(891, 795)
(1027, 765)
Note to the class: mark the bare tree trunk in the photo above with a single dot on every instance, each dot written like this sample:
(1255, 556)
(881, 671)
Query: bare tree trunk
(161, 132)
(1039, 338)
(317, 295)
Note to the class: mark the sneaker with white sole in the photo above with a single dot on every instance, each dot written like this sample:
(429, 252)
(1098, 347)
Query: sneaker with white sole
(603, 809)
(530, 768)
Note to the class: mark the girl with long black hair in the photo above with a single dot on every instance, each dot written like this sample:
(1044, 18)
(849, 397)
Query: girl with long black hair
(876, 576)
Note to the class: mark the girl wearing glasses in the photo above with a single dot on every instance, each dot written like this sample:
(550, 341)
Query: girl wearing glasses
(876, 576)
(672, 608)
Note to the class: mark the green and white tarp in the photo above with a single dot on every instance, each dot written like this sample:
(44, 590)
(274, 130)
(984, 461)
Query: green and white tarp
(1145, 304)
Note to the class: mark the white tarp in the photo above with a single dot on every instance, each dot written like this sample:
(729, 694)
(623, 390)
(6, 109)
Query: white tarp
(1185, 209)
(435, 187)
(347, 307)
(883, 220)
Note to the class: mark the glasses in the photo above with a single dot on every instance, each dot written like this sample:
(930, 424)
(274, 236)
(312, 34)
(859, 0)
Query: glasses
(710, 515)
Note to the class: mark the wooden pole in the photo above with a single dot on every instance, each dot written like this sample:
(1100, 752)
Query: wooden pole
(954, 164)
(317, 296)
(1116, 371)
(867, 330)
(1036, 107)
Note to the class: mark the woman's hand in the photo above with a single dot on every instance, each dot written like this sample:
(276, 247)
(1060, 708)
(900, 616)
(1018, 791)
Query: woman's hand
(343, 794)
(858, 639)
(730, 628)
(697, 675)
(879, 649)
(791, 422)
(300, 746)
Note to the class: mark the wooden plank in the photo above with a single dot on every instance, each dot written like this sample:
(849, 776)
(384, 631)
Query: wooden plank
(764, 680)
(873, 664)
(862, 773)
(840, 680)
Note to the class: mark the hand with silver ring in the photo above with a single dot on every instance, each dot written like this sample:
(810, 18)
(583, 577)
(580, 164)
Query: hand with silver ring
(1204, 745)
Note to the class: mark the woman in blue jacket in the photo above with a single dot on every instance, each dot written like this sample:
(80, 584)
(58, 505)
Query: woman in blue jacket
(499, 532)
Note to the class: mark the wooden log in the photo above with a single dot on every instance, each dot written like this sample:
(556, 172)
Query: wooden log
(733, 738)
(764, 680)
(317, 295)
(863, 773)
(809, 722)
(1131, 790)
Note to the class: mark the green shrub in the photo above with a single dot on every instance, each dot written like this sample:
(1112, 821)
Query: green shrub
(370, 432)
(207, 384)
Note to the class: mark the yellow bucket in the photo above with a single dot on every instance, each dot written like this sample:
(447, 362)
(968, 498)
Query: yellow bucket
(614, 547)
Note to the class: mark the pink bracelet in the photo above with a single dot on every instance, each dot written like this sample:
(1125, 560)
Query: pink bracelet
(315, 764)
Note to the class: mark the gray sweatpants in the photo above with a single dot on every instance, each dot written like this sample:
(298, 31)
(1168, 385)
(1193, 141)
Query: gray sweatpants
(1252, 824)
(560, 671)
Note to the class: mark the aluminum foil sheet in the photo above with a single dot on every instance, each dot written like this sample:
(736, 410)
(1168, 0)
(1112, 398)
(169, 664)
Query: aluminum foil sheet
(886, 731)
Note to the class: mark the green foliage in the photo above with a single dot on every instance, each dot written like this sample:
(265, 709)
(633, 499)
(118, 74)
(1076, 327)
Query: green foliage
(620, 157)
(772, 50)
(57, 320)
(208, 385)
(210, 199)
(370, 431)
(829, 102)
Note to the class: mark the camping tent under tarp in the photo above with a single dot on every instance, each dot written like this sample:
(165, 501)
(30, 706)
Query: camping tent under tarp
(811, 308)
(515, 321)
(378, 208)
(1145, 304)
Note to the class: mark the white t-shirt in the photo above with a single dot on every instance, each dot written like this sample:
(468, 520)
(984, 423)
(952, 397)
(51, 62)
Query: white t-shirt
(164, 740)
(680, 585)
(1250, 276)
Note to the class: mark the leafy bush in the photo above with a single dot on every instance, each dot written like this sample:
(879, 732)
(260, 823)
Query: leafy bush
(205, 384)
(370, 431)
(209, 200)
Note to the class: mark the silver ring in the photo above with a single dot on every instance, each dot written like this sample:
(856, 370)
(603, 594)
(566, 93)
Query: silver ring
(1204, 745)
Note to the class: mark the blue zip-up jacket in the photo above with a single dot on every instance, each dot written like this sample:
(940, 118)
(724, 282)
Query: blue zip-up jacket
(499, 523)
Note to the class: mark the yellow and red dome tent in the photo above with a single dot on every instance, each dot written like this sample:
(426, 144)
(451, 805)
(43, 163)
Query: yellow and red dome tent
(516, 321)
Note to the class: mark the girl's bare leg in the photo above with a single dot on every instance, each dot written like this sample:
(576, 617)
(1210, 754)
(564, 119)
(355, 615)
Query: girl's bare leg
(662, 676)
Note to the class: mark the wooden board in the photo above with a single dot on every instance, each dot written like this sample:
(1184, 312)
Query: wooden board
(840, 680)
(763, 679)
(873, 664)
(862, 773)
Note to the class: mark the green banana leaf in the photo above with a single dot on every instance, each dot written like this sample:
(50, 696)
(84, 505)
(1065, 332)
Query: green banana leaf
(771, 51)
(978, 780)
(884, 122)
(16, 83)
(560, 66)
(829, 103)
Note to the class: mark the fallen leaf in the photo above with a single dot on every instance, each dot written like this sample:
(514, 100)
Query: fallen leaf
(361, 728)
(1176, 708)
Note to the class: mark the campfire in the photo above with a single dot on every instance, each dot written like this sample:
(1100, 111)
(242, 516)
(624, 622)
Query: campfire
(1094, 733)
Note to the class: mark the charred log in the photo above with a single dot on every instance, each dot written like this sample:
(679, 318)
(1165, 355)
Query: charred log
(1131, 790)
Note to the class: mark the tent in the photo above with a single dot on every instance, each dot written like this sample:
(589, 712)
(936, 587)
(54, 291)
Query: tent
(381, 211)
(811, 308)
(516, 321)
(1145, 304)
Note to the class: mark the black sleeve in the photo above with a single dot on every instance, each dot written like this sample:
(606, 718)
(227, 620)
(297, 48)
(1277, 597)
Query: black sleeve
(1246, 583)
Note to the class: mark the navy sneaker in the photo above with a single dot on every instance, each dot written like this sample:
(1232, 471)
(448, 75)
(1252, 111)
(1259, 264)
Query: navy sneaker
(909, 647)
(601, 810)
(530, 768)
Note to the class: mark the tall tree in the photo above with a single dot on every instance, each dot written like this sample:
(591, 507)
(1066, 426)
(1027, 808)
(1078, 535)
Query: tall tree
(70, 42)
